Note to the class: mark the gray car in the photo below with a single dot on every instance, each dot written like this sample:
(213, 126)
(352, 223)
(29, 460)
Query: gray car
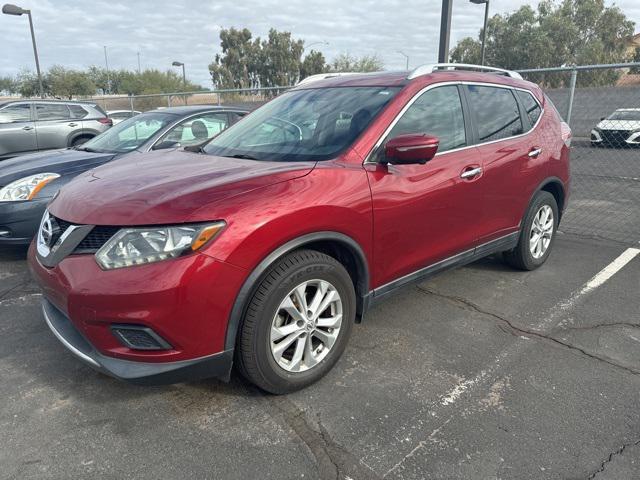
(33, 125)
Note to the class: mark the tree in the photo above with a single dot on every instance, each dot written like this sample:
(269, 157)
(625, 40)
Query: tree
(8, 85)
(237, 66)
(571, 32)
(28, 85)
(635, 59)
(348, 63)
(65, 83)
(313, 64)
(279, 57)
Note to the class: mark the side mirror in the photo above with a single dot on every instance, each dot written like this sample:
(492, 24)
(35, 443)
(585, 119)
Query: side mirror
(603, 118)
(411, 149)
(166, 144)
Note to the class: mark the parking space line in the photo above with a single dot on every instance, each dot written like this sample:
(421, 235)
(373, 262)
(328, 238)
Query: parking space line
(553, 315)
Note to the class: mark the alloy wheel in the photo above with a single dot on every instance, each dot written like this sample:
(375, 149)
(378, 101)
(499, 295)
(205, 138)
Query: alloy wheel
(306, 325)
(541, 231)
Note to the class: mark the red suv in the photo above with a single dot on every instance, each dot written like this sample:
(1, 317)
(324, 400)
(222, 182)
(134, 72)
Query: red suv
(262, 248)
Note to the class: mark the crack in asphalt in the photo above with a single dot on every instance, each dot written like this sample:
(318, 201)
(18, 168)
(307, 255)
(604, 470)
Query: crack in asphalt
(603, 465)
(509, 327)
(332, 459)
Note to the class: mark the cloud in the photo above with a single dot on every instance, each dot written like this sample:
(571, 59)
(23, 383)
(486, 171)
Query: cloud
(73, 33)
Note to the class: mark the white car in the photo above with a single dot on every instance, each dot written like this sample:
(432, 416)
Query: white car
(119, 115)
(619, 129)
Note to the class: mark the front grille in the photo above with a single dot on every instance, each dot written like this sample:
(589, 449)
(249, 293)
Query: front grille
(96, 238)
(615, 137)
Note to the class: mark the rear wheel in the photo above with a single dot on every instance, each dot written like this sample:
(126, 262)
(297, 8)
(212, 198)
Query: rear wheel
(537, 234)
(298, 322)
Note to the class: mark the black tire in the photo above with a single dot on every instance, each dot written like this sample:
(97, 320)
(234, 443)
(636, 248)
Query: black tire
(521, 256)
(80, 140)
(253, 354)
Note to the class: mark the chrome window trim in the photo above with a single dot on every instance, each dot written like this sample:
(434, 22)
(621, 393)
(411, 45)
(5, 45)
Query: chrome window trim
(382, 138)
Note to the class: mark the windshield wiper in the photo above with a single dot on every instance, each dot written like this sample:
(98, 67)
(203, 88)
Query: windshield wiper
(241, 155)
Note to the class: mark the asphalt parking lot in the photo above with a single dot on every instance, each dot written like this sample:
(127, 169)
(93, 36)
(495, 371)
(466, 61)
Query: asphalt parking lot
(482, 372)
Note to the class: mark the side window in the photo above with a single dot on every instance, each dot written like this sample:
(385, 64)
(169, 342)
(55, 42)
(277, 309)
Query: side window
(496, 112)
(20, 112)
(437, 112)
(77, 111)
(52, 111)
(198, 129)
(530, 105)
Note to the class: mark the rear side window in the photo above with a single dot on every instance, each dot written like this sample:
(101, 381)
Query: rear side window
(77, 111)
(531, 106)
(496, 112)
(436, 112)
(52, 111)
(16, 113)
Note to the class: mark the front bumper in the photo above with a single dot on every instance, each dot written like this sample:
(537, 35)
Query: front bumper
(19, 221)
(142, 373)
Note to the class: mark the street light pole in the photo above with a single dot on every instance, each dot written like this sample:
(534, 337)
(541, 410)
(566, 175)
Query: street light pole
(184, 77)
(484, 29)
(304, 48)
(445, 31)
(9, 9)
(406, 58)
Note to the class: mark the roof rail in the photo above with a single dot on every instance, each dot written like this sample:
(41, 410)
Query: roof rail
(430, 68)
(322, 76)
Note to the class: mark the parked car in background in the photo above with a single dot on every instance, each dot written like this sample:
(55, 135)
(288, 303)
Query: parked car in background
(119, 115)
(32, 125)
(28, 183)
(620, 129)
(265, 247)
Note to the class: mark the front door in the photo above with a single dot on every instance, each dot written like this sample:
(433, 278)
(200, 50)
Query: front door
(17, 129)
(424, 214)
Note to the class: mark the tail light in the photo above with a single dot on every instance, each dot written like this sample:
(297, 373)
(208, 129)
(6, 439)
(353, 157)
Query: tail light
(106, 121)
(566, 133)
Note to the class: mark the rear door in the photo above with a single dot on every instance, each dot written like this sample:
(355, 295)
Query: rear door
(54, 125)
(508, 146)
(424, 214)
(17, 129)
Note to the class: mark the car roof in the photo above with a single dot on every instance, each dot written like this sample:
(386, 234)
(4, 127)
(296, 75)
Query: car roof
(187, 109)
(402, 78)
(49, 100)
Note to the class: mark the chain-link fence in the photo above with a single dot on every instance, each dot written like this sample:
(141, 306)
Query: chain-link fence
(605, 153)
(246, 98)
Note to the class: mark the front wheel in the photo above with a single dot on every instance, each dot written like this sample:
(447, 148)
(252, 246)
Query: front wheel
(537, 233)
(298, 322)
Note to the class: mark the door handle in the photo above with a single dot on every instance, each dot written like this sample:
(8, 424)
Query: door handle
(534, 152)
(72, 124)
(474, 172)
(27, 128)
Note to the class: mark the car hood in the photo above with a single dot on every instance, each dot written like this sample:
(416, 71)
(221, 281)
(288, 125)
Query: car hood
(619, 125)
(165, 188)
(63, 162)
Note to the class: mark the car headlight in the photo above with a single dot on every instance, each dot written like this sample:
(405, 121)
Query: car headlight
(139, 246)
(26, 188)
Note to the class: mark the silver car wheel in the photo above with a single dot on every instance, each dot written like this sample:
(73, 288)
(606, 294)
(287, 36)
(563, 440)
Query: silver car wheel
(541, 231)
(306, 325)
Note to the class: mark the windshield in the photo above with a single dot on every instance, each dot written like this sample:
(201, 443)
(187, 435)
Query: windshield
(302, 125)
(129, 134)
(625, 115)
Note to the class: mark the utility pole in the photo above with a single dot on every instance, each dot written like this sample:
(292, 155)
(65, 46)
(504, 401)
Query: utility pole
(445, 30)
(106, 62)
(138, 63)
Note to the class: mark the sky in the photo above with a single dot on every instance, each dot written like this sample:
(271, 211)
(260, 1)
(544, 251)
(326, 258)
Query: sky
(74, 33)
